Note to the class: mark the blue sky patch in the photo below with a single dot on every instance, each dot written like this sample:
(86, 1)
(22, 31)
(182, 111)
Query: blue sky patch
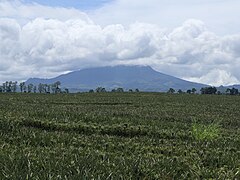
(79, 4)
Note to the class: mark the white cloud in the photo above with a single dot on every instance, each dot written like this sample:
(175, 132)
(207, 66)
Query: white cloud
(216, 77)
(47, 43)
(220, 16)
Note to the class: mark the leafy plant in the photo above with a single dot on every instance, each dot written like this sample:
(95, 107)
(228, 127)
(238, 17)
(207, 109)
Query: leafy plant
(205, 132)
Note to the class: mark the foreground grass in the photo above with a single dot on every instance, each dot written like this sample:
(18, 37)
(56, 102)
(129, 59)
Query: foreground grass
(119, 136)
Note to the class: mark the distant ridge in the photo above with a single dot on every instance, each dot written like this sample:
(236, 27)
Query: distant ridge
(127, 77)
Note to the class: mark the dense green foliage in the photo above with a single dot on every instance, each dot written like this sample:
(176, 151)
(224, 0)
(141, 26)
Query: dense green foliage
(119, 136)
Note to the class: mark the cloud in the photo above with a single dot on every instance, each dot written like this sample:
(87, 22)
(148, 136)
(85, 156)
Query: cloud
(220, 16)
(216, 77)
(37, 45)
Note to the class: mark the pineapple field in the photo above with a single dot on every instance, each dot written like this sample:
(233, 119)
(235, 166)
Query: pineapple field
(119, 136)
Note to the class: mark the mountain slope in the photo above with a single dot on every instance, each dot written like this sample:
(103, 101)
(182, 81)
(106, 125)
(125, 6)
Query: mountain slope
(128, 77)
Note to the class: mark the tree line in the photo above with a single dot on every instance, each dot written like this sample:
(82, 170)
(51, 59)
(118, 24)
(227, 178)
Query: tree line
(206, 90)
(13, 87)
(119, 90)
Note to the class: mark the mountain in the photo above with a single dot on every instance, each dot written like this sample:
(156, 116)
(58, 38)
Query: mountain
(237, 86)
(127, 77)
(223, 89)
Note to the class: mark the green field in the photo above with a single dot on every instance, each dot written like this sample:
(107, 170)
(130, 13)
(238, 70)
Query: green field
(119, 136)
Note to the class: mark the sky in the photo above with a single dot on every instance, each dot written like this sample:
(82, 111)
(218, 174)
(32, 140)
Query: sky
(195, 40)
(79, 4)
